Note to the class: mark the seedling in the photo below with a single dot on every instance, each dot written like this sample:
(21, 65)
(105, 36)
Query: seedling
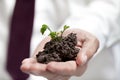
(60, 48)
(53, 35)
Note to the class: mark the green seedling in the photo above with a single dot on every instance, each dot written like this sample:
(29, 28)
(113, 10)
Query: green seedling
(53, 34)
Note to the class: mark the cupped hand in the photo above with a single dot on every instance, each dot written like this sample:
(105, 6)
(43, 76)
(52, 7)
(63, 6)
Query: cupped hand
(88, 45)
(31, 66)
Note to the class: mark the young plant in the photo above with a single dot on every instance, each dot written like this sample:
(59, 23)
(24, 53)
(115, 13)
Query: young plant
(53, 35)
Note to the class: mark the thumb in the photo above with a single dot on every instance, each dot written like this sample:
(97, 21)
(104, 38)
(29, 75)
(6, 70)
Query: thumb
(88, 49)
(81, 58)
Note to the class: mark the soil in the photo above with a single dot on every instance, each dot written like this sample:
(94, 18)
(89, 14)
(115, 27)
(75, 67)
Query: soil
(60, 49)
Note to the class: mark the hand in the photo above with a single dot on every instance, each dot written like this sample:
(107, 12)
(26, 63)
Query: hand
(31, 66)
(88, 45)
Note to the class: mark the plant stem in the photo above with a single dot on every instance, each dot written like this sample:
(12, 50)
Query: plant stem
(49, 29)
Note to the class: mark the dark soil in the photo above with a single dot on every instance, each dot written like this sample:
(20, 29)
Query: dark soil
(59, 50)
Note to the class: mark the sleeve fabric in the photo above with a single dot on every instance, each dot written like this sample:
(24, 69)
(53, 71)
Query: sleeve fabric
(95, 16)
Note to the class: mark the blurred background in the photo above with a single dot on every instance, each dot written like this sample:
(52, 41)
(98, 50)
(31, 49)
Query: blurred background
(104, 66)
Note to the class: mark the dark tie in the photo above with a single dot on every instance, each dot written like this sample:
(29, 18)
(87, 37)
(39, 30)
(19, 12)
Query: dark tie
(20, 35)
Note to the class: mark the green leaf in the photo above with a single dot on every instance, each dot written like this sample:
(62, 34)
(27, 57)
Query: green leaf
(53, 35)
(43, 28)
(66, 27)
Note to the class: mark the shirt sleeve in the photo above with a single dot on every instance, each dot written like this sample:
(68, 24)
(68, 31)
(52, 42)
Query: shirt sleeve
(95, 17)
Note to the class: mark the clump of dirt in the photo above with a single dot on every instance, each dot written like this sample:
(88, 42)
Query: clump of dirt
(59, 49)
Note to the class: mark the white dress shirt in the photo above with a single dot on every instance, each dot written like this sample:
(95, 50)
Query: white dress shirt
(99, 17)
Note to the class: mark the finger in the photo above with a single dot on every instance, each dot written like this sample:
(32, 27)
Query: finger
(79, 44)
(61, 77)
(26, 63)
(65, 78)
(46, 74)
(62, 68)
(28, 66)
(31, 65)
(37, 69)
(29, 60)
(80, 70)
(88, 49)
